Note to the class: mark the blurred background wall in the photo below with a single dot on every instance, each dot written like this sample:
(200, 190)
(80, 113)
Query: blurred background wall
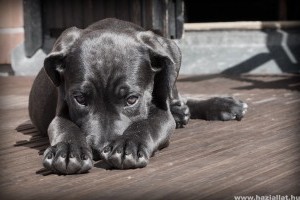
(11, 28)
(216, 36)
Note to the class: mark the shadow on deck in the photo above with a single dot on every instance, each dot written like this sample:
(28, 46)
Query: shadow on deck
(205, 160)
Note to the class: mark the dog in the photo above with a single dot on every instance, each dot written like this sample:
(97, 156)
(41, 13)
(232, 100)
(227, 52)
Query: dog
(108, 92)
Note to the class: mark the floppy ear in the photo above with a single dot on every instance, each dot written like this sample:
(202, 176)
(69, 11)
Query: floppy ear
(54, 62)
(165, 58)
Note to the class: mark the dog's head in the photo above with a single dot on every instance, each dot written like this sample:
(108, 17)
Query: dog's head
(109, 75)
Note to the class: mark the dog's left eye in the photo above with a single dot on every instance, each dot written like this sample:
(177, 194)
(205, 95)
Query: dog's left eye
(131, 100)
(80, 99)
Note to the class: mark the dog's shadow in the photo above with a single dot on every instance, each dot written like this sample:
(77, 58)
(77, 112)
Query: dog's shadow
(36, 141)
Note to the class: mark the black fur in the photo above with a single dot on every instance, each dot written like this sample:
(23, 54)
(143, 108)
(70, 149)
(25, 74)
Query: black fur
(109, 91)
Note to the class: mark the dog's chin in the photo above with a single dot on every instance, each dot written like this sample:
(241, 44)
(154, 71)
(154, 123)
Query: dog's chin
(95, 145)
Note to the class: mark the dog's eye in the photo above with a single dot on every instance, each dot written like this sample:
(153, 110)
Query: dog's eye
(80, 99)
(131, 100)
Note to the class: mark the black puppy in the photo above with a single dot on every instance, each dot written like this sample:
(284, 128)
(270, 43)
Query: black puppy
(109, 91)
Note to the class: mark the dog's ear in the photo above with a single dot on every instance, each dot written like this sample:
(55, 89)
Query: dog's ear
(165, 58)
(54, 62)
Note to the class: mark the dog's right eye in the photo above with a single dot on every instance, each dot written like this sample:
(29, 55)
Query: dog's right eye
(131, 100)
(80, 99)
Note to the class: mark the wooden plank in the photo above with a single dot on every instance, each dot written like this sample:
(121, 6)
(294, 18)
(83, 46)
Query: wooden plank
(58, 14)
(171, 19)
(32, 26)
(136, 12)
(88, 12)
(77, 13)
(255, 25)
(98, 10)
(110, 8)
(122, 10)
(282, 12)
(47, 13)
(68, 13)
(160, 17)
(205, 160)
(147, 14)
(179, 18)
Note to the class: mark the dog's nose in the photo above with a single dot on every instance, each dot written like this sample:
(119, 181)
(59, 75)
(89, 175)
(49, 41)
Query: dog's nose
(96, 155)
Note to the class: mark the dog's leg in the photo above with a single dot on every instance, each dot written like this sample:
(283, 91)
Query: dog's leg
(140, 141)
(42, 102)
(69, 152)
(218, 108)
(179, 109)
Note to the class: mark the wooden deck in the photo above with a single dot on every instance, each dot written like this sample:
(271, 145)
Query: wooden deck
(207, 160)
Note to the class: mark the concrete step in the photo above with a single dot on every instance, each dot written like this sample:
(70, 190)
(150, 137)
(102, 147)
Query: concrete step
(211, 52)
(237, 51)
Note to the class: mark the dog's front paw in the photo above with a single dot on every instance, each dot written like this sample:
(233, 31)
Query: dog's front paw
(126, 153)
(180, 112)
(67, 158)
(226, 108)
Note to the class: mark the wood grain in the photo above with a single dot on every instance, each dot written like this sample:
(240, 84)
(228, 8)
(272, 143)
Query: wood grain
(205, 160)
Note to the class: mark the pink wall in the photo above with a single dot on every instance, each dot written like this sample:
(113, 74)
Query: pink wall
(11, 27)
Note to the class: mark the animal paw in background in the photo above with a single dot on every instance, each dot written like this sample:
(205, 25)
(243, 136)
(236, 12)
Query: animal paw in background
(180, 112)
(225, 108)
